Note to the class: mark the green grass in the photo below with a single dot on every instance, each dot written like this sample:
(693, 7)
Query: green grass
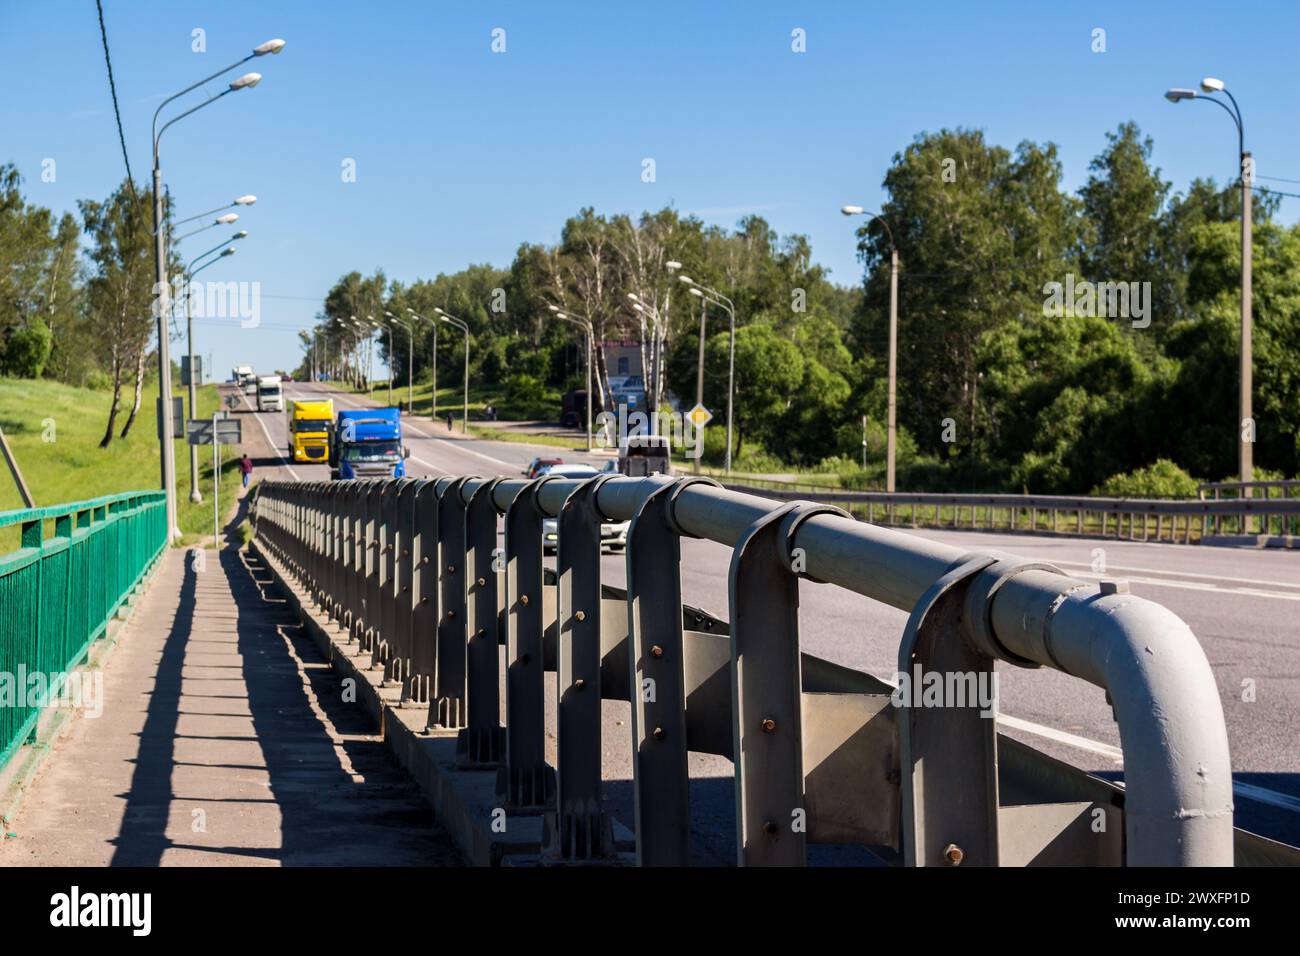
(55, 429)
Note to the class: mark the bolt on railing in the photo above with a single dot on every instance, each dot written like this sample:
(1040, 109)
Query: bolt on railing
(409, 567)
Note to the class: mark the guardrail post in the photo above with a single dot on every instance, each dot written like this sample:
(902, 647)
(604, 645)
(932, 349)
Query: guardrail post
(355, 497)
(767, 689)
(525, 782)
(579, 827)
(948, 751)
(481, 743)
(399, 657)
(370, 607)
(424, 594)
(659, 755)
(382, 649)
(447, 709)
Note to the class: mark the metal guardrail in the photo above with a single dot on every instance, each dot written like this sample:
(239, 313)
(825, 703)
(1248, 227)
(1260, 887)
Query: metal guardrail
(1286, 525)
(1133, 519)
(59, 591)
(823, 753)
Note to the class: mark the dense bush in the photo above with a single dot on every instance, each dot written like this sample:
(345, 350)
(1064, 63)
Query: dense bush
(1163, 479)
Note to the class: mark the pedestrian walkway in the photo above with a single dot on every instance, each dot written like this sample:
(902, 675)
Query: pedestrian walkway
(225, 739)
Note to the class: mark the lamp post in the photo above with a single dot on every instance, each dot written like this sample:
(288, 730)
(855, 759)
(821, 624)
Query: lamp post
(367, 328)
(891, 427)
(190, 271)
(585, 325)
(717, 298)
(452, 320)
(1246, 427)
(656, 329)
(410, 361)
(382, 327)
(163, 304)
(433, 363)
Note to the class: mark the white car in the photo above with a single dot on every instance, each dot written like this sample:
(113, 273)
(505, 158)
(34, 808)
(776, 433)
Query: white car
(613, 534)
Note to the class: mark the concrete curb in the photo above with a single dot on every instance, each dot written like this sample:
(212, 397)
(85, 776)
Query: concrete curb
(16, 779)
(464, 801)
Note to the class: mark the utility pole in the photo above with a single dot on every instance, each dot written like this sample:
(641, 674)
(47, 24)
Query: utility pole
(699, 378)
(891, 436)
(1246, 426)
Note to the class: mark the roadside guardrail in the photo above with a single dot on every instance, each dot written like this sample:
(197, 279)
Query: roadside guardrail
(73, 566)
(822, 753)
(1132, 519)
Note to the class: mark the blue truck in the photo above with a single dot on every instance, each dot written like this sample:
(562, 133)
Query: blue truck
(367, 443)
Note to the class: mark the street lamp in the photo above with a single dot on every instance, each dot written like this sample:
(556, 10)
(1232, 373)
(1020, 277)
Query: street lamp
(382, 327)
(717, 298)
(228, 219)
(433, 363)
(247, 81)
(452, 320)
(584, 324)
(190, 271)
(891, 428)
(240, 201)
(410, 361)
(1246, 434)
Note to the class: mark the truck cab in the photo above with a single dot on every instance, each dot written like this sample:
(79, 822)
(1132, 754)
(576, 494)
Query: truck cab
(367, 443)
(641, 455)
(311, 425)
(270, 397)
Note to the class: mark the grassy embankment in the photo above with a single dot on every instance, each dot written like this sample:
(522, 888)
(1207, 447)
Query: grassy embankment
(55, 429)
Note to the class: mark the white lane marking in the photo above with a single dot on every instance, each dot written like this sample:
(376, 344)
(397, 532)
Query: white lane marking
(429, 465)
(1064, 737)
(1196, 586)
(456, 444)
(1182, 574)
(1247, 791)
(269, 440)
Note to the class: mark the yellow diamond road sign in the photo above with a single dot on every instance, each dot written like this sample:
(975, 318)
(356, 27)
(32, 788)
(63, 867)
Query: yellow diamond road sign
(699, 416)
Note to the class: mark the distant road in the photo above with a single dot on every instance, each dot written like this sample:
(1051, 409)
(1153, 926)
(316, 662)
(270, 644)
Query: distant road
(1243, 605)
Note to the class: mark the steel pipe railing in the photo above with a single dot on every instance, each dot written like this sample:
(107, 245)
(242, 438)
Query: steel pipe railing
(973, 608)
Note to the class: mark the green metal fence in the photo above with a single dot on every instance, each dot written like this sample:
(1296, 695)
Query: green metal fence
(72, 569)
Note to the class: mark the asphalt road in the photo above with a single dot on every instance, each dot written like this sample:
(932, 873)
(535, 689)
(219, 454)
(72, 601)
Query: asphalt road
(1240, 603)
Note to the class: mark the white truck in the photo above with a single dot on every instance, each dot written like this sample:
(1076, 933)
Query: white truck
(246, 379)
(270, 397)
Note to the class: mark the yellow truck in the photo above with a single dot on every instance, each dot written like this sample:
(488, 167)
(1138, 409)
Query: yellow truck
(310, 424)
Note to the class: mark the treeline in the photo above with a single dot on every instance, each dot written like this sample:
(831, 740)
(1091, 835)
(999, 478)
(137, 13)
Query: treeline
(81, 314)
(1001, 384)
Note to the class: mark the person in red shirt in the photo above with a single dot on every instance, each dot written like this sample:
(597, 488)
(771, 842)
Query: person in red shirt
(246, 468)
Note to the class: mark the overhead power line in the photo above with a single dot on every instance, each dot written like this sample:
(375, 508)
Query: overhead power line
(112, 87)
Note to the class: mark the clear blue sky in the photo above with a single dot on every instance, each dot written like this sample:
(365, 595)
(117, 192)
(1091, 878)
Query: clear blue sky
(462, 154)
